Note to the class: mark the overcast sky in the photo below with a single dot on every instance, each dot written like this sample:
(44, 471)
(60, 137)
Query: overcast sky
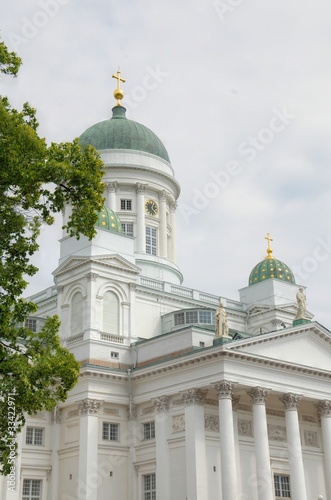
(238, 91)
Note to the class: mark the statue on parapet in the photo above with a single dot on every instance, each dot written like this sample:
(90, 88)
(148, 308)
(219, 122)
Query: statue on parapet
(221, 322)
(301, 302)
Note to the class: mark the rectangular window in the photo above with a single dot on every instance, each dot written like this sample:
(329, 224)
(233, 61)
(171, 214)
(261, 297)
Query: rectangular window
(127, 228)
(179, 319)
(126, 204)
(149, 483)
(149, 430)
(34, 436)
(31, 324)
(110, 431)
(114, 354)
(31, 489)
(191, 317)
(282, 486)
(151, 240)
(205, 317)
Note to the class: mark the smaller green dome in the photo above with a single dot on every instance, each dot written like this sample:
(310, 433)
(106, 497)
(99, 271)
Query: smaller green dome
(271, 268)
(108, 219)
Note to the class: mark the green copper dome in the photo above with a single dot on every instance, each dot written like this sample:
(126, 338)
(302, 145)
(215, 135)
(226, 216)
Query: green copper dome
(121, 133)
(271, 268)
(107, 219)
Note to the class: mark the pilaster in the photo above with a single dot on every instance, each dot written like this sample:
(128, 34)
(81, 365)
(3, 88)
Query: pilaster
(161, 406)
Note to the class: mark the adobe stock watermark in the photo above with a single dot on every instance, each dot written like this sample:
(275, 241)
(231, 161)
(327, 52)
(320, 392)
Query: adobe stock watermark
(250, 148)
(224, 7)
(31, 25)
(310, 264)
(151, 81)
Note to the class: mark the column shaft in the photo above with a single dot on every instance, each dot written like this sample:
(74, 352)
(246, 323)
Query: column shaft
(141, 227)
(173, 232)
(324, 408)
(162, 448)
(228, 450)
(297, 474)
(163, 224)
(262, 454)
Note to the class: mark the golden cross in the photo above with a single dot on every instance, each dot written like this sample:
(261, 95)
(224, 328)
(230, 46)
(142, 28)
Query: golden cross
(269, 250)
(118, 92)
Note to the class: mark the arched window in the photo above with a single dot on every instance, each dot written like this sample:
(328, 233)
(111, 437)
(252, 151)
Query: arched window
(110, 313)
(77, 314)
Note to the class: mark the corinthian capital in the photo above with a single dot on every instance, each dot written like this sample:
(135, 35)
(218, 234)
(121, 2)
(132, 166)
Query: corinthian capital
(89, 406)
(290, 401)
(324, 408)
(194, 396)
(224, 389)
(258, 395)
(161, 404)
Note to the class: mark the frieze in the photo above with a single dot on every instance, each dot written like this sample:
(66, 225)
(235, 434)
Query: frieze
(275, 413)
(72, 413)
(310, 438)
(277, 432)
(212, 402)
(177, 402)
(309, 418)
(178, 423)
(245, 428)
(212, 423)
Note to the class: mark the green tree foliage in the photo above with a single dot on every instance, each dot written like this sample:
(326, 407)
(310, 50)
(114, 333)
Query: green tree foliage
(36, 181)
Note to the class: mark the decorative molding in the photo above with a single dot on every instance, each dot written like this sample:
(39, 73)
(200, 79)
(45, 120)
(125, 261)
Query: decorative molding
(277, 432)
(212, 402)
(177, 402)
(324, 408)
(172, 206)
(41, 415)
(194, 396)
(89, 406)
(212, 423)
(161, 404)
(244, 407)
(147, 410)
(111, 411)
(258, 395)
(178, 423)
(290, 400)
(224, 389)
(245, 428)
(133, 287)
(275, 413)
(310, 438)
(309, 418)
(59, 289)
(72, 413)
(92, 276)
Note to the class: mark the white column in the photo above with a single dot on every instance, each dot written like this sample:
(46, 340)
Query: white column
(163, 223)
(324, 410)
(162, 448)
(91, 319)
(56, 420)
(88, 450)
(196, 469)
(172, 208)
(111, 195)
(141, 227)
(297, 474)
(262, 454)
(132, 311)
(228, 449)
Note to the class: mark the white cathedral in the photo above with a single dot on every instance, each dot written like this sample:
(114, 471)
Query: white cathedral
(182, 395)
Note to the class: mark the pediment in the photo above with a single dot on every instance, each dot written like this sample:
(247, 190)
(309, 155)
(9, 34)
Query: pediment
(309, 347)
(115, 261)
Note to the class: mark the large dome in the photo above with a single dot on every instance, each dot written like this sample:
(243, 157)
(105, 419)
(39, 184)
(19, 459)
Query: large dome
(121, 133)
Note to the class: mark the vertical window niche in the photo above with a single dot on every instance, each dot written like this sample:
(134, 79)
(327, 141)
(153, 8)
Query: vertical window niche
(77, 314)
(111, 313)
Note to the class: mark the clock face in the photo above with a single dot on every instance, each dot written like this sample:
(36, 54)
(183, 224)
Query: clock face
(151, 207)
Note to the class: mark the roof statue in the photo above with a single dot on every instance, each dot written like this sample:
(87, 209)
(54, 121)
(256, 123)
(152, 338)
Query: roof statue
(221, 322)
